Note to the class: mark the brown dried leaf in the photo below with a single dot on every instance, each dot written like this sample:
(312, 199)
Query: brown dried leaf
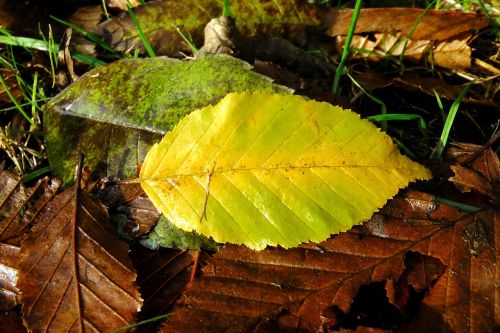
(13, 222)
(83, 286)
(277, 289)
(162, 276)
(434, 25)
(9, 294)
(455, 54)
(450, 54)
(131, 208)
(482, 174)
(13, 198)
(87, 18)
(444, 33)
(372, 80)
(468, 180)
(11, 323)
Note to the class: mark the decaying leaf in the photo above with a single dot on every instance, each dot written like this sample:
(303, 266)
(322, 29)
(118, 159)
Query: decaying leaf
(298, 289)
(130, 209)
(9, 294)
(467, 180)
(450, 54)
(114, 113)
(11, 323)
(76, 277)
(430, 24)
(262, 169)
(162, 275)
(438, 36)
(15, 215)
(160, 21)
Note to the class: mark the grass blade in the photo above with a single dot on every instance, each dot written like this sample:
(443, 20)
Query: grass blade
(144, 40)
(347, 46)
(438, 151)
(87, 35)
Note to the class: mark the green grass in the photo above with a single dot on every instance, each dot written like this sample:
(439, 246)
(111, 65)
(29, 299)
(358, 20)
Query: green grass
(383, 110)
(90, 36)
(105, 9)
(189, 42)
(226, 10)
(407, 39)
(347, 47)
(142, 36)
(15, 102)
(450, 118)
(19, 144)
(384, 117)
(440, 105)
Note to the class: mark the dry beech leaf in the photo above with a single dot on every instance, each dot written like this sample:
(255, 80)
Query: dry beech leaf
(432, 25)
(449, 54)
(9, 294)
(162, 275)
(82, 281)
(14, 217)
(467, 180)
(266, 169)
(482, 174)
(441, 36)
(279, 290)
(11, 323)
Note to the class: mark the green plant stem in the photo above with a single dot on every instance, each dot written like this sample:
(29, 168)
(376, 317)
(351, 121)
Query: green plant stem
(150, 320)
(105, 8)
(458, 205)
(347, 46)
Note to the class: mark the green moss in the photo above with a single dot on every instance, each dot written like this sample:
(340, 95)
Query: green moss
(115, 109)
(165, 234)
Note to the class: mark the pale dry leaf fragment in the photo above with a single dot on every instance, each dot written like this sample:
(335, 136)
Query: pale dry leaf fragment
(122, 4)
(455, 54)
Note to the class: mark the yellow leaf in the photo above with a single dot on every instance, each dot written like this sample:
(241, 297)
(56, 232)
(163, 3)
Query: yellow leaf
(264, 169)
